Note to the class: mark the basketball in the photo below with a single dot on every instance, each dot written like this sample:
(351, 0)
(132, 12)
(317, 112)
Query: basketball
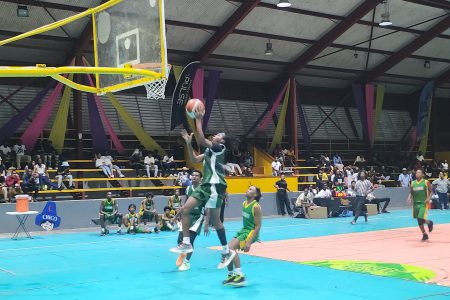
(193, 107)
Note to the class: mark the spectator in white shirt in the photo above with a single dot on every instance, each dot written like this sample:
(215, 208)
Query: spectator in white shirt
(276, 167)
(44, 179)
(168, 165)
(325, 192)
(108, 159)
(19, 150)
(351, 190)
(231, 168)
(304, 201)
(420, 157)
(100, 163)
(404, 179)
(444, 166)
(151, 165)
(441, 186)
(4, 150)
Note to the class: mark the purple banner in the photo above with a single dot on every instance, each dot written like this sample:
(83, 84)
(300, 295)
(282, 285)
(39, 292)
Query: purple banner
(424, 103)
(273, 109)
(99, 140)
(370, 94)
(360, 105)
(211, 93)
(303, 126)
(12, 125)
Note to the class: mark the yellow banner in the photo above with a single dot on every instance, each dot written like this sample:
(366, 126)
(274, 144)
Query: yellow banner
(58, 133)
(177, 71)
(424, 141)
(147, 141)
(279, 131)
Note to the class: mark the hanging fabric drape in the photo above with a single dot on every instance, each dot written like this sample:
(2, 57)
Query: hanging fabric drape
(370, 94)
(359, 101)
(12, 125)
(271, 112)
(99, 139)
(58, 132)
(177, 72)
(378, 107)
(147, 141)
(211, 93)
(31, 134)
(424, 116)
(279, 131)
(303, 127)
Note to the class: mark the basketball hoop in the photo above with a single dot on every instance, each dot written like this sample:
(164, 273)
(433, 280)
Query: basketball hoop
(156, 89)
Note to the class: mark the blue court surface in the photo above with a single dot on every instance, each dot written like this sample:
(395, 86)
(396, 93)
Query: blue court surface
(87, 266)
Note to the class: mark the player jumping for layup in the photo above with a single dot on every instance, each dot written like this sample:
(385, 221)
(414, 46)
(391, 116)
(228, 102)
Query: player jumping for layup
(420, 194)
(211, 192)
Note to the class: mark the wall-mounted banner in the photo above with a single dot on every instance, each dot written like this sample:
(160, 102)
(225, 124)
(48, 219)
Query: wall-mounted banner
(182, 94)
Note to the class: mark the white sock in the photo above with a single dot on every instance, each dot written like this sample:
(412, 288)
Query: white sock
(238, 271)
(186, 240)
(225, 249)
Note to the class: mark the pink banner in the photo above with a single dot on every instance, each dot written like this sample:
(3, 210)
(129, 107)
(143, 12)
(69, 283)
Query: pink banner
(270, 114)
(370, 94)
(112, 133)
(33, 131)
(197, 85)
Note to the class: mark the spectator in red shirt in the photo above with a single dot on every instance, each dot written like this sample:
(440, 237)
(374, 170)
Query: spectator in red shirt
(13, 184)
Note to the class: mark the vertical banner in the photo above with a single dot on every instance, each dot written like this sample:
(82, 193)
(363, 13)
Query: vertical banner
(211, 93)
(424, 116)
(198, 84)
(279, 131)
(99, 140)
(182, 94)
(31, 134)
(294, 117)
(268, 117)
(303, 126)
(12, 125)
(177, 72)
(147, 141)
(58, 133)
(114, 138)
(359, 101)
(370, 94)
(378, 107)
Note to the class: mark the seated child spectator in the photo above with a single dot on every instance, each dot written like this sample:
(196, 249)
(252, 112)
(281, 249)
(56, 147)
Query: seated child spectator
(168, 220)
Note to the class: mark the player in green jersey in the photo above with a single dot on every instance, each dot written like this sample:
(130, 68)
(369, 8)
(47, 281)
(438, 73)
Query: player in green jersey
(243, 240)
(211, 191)
(197, 217)
(421, 199)
(147, 211)
(109, 213)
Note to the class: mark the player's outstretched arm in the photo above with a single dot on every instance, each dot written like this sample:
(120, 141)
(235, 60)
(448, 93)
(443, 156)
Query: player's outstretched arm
(198, 132)
(192, 155)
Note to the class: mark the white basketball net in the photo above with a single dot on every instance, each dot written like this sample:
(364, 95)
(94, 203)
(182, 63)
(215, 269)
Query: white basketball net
(156, 89)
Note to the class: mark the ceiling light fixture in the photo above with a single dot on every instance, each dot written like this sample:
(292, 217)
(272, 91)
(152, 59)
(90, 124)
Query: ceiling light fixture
(269, 50)
(284, 3)
(386, 16)
(22, 11)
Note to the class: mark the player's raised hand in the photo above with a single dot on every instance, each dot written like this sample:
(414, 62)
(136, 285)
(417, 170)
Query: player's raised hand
(186, 136)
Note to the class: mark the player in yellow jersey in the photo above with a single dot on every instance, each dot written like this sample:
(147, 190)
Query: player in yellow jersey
(243, 240)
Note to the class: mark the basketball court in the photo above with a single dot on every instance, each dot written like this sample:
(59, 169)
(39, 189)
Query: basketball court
(296, 258)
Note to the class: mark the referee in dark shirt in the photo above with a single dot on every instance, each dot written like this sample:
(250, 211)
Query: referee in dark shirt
(282, 196)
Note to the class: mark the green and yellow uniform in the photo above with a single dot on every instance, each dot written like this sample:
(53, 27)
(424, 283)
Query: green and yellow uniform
(211, 191)
(176, 201)
(419, 195)
(130, 217)
(108, 209)
(197, 214)
(248, 216)
(149, 205)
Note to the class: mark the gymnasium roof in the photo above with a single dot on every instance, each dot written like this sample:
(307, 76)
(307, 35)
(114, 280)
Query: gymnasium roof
(323, 43)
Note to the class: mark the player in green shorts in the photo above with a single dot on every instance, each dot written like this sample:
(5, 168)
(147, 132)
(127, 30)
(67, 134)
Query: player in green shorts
(243, 240)
(421, 199)
(131, 221)
(109, 212)
(211, 191)
(175, 201)
(197, 217)
(147, 211)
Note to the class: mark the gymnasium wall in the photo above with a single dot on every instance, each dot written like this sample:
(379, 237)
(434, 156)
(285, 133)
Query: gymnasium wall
(78, 213)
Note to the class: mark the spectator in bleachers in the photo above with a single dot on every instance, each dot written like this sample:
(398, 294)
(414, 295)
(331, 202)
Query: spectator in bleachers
(337, 162)
(101, 164)
(19, 151)
(2, 167)
(13, 184)
(169, 166)
(30, 165)
(233, 169)
(338, 179)
(135, 161)
(49, 155)
(384, 173)
(64, 173)
(276, 167)
(324, 192)
(184, 178)
(44, 179)
(3, 187)
(325, 160)
(419, 157)
(405, 178)
(444, 166)
(5, 151)
(30, 183)
(304, 201)
(248, 164)
(351, 190)
(441, 186)
(282, 196)
(151, 165)
(359, 161)
(109, 161)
